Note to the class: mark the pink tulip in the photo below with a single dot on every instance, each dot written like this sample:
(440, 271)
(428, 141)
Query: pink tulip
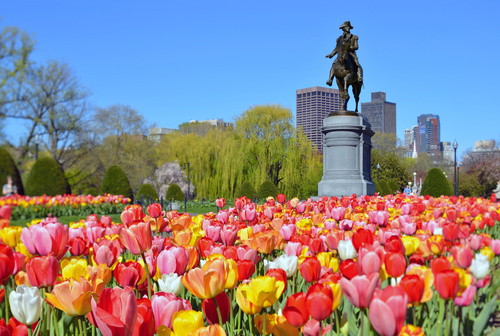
(42, 239)
(388, 310)
(406, 208)
(338, 213)
(409, 228)
(346, 225)
(359, 289)
(5, 212)
(467, 296)
(462, 256)
(370, 259)
(79, 232)
(248, 214)
(229, 234)
(94, 233)
(301, 207)
(287, 231)
(247, 254)
(475, 242)
(293, 249)
(213, 232)
(495, 246)
(223, 217)
(106, 252)
(311, 328)
(173, 260)
(165, 305)
(106, 220)
(220, 202)
(137, 238)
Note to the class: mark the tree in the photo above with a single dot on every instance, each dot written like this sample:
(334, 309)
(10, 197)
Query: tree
(387, 143)
(391, 167)
(115, 182)
(436, 184)
(47, 178)
(9, 168)
(200, 128)
(484, 168)
(167, 174)
(268, 130)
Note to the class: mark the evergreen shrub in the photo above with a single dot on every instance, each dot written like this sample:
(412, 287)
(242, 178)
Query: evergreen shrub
(246, 189)
(384, 188)
(115, 182)
(8, 168)
(267, 189)
(394, 186)
(174, 192)
(436, 184)
(47, 178)
(91, 191)
(148, 191)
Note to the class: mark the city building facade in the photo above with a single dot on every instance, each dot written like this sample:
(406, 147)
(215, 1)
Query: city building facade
(313, 105)
(429, 136)
(156, 133)
(214, 122)
(380, 113)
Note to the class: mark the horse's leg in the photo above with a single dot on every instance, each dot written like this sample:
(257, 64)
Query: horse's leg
(332, 73)
(356, 90)
(346, 90)
(340, 84)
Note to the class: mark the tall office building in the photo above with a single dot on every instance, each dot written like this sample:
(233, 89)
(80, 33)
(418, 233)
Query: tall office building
(429, 136)
(380, 113)
(313, 105)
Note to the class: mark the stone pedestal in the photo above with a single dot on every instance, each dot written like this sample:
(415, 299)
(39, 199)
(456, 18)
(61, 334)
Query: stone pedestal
(346, 156)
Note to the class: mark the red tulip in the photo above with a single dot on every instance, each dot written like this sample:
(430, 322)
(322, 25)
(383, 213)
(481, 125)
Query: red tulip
(6, 262)
(295, 310)
(349, 268)
(42, 271)
(440, 264)
(220, 202)
(210, 310)
(246, 269)
(388, 310)
(319, 301)
(154, 210)
(450, 231)
(137, 238)
(281, 198)
(359, 290)
(279, 274)
(145, 325)
(129, 273)
(414, 287)
(316, 245)
(310, 269)
(116, 311)
(362, 237)
(394, 244)
(5, 212)
(462, 256)
(78, 246)
(395, 264)
(447, 284)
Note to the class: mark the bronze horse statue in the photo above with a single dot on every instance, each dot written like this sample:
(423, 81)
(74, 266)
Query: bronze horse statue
(346, 68)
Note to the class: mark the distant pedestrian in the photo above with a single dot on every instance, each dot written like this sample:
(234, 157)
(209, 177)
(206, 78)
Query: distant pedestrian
(10, 188)
(407, 190)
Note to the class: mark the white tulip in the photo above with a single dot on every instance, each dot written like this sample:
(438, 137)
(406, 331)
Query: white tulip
(480, 266)
(170, 283)
(287, 263)
(438, 231)
(346, 250)
(26, 304)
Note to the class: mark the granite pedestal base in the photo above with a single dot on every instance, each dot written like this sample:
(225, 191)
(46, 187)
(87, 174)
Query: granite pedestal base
(346, 156)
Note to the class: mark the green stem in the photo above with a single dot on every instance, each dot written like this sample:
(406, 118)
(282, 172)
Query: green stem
(320, 325)
(414, 315)
(337, 323)
(6, 300)
(264, 324)
(441, 315)
(218, 312)
(362, 321)
(231, 313)
(449, 315)
(147, 273)
(81, 323)
(47, 315)
(294, 277)
(250, 325)
(239, 319)
(56, 326)
(30, 330)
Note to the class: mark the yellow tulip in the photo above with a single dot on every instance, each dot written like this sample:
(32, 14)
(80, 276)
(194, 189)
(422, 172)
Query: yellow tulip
(261, 292)
(425, 274)
(487, 251)
(337, 294)
(11, 235)
(74, 267)
(186, 321)
(411, 244)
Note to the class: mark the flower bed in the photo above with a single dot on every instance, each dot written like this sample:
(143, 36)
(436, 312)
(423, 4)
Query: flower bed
(26, 207)
(356, 265)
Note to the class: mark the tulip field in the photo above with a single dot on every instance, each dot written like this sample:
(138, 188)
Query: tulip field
(358, 265)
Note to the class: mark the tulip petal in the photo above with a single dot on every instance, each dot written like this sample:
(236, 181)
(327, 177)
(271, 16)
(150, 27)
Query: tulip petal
(382, 318)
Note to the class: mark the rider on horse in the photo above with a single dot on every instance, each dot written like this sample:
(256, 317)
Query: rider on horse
(351, 42)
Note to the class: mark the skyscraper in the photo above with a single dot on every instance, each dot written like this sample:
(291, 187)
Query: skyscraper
(380, 113)
(429, 136)
(313, 105)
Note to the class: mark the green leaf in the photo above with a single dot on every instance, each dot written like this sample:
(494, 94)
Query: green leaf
(484, 316)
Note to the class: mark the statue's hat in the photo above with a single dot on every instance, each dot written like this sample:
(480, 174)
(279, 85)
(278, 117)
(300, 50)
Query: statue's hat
(346, 24)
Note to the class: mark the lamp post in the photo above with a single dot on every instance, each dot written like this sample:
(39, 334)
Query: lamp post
(378, 175)
(455, 189)
(189, 182)
(37, 141)
(458, 180)
(414, 178)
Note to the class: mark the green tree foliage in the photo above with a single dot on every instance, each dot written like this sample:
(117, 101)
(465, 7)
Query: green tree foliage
(148, 191)
(377, 188)
(47, 178)
(91, 191)
(174, 192)
(392, 167)
(222, 160)
(8, 168)
(247, 189)
(384, 187)
(267, 189)
(200, 128)
(115, 182)
(436, 184)
(469, 185)
(394, 186)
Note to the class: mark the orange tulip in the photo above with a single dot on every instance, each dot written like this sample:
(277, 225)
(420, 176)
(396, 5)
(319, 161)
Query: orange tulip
(72, 297)
(206, 283)
(212, 330)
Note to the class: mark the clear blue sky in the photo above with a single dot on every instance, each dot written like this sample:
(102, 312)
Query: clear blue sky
(179, 60)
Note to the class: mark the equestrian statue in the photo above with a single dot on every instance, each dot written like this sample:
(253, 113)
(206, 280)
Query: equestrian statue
(346, 68)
